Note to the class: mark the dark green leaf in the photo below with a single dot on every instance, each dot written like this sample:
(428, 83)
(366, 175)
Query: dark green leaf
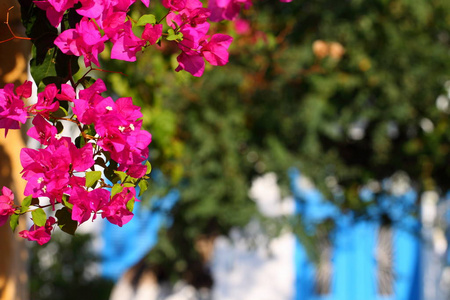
(80, 142)
(59, 127)
(65, 221)
(60, 113)
(42, 69)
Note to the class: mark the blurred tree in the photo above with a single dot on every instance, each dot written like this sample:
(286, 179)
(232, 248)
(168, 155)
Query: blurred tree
(347, 91)
(66, 269)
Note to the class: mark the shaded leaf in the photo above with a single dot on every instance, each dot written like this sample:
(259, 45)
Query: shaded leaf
(65, 221)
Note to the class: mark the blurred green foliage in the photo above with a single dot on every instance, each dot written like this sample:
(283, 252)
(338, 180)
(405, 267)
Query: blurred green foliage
(65, 269)
(340, 89)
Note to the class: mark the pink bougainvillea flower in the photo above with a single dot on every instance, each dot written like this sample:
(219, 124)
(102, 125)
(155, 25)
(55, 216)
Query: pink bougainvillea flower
(227, 9)
(192, 63)
(152, 33)
(88, 98)
(93, 9)
(12, 108)
(46, 102)
(175, 5)
(113, 22)
(85, 40)
(216, 50)
(242, 26)
(40, 234)
(48, 171)
(67, 93)
(116, 211)
(6, 205)
(126, 44)
(86, 203)
(55, 9)
(42, 131)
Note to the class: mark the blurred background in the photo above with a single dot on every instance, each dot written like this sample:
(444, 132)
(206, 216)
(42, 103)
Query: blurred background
(314, 165)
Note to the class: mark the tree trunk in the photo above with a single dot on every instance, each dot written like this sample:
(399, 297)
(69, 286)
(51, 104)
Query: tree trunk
(13, 69)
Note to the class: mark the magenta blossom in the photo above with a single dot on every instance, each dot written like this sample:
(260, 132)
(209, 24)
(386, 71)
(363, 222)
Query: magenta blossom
(46, 102)
(6, 205)
(48, 171)
(12, 108)
(116, 211)
(55, 9)
(215, 51)
(152, 33)
(87, 203)
(42, 131)
(40, 234)
(126, 44)
(85, 40)
(227, 9)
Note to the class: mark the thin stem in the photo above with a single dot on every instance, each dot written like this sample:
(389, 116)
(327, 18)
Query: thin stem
(10, 30)
(163, 17)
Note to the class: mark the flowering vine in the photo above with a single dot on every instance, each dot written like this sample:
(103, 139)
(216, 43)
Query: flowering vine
(97, 173)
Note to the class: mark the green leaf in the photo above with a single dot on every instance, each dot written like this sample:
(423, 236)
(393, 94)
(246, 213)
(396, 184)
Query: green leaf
(14, 221)
(66, 65)
(146, 19)
(117, 188)
(128, 184)
(130, 204)
(66, 201)
(149, 167)
(42, 69)
(91, 130)
(122, 175)
(26, 204)
(39, 217)
(80, 142)
(60, 113)
(54, 79)
(65, 221)
(59, 127)
(92, 177)
(143, 186)
(171, 35)
(87, 81)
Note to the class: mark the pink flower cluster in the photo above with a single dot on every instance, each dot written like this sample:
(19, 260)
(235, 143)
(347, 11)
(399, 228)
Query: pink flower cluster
(190, 19)
(107, 20)
(98, 173)
(111, 131)
(6, 205)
